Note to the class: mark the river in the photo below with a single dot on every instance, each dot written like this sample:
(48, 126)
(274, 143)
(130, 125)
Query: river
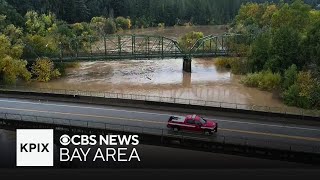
(164, 77)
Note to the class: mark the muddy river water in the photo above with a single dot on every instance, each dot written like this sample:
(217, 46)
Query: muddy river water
(164, 77)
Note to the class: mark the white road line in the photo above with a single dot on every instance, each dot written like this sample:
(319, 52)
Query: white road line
(271, 125)
(84, 107)
(159, 114)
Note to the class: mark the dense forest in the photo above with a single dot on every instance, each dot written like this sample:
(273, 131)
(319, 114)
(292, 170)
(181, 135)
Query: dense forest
(284, 56)
(142, 12)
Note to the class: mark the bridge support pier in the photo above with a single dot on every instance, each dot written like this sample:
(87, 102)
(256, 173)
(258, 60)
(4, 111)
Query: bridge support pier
(187, 64)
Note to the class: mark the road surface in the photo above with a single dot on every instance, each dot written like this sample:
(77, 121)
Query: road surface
(235, 130)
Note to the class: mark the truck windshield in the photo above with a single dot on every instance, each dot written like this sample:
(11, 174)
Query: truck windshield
(203, 121)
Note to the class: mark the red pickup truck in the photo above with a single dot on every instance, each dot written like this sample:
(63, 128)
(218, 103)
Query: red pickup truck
(192, 123)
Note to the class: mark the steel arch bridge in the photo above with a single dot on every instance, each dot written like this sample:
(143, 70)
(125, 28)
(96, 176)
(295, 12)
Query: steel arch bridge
(113, 47)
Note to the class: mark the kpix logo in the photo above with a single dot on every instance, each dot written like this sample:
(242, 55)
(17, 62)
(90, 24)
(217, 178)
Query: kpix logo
(34, 147)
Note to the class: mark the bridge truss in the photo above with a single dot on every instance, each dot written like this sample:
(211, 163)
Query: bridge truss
(122, 47)
(112, 47)
(220, 45)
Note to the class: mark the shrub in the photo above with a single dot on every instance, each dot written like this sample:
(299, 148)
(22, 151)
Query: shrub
(161, 25)
(290, 77)
(240, 66)
(265, 80)
(123, 23)
(241, 49)
(237, 65)
(251, 80)
(291, 95)
(43, 70)
(269, 81)
(304, 93)
(11, 69)
(144, 22)
(223, 63)
(315, 96)
(110, 26)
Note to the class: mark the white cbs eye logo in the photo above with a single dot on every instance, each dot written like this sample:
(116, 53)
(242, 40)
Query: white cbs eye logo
(65, 140)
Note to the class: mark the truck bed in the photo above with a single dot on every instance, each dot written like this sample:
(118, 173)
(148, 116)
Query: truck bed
(177, 119)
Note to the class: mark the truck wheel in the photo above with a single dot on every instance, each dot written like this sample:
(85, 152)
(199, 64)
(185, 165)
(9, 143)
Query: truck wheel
(176, 129)
(208, 132)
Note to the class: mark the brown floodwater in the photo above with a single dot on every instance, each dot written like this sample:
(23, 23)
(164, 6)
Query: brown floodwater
(178, 31)
(164, 77)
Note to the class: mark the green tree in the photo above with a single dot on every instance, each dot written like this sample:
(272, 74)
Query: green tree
(295, 15)
(81, 11)
(37, 46)
(98, 24)
(83, 35)
(14, 34)
(39, 24)
(260, 49)
(311, 44)
(268, 13)
(11, 14)
(62, 32)
(34, 25)
(2, 21)
(110, 27)
(314, 16)
(250, 13)
(284, 49)
(301, 93)
(315, 96)
(11, 66)
(117, 6)
(123, 23)
(155, 11)
(188, 40)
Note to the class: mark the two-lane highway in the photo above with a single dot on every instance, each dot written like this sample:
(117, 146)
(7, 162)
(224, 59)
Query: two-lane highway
(232, 128)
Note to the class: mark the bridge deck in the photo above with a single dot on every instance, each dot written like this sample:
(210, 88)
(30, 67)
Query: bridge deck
(101, 57)
(140, 47)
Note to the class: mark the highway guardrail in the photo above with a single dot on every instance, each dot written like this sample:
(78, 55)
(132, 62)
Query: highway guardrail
(204, 103)
(161, 132)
